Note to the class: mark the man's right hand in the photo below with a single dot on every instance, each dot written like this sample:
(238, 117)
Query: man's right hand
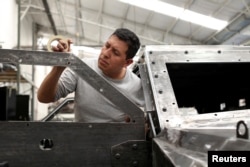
(62, 46)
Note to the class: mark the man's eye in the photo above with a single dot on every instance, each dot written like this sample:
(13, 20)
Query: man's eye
(107, 45)
(116, 52)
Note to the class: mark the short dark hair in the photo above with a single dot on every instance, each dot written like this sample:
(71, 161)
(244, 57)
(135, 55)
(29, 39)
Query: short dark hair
(131, 39)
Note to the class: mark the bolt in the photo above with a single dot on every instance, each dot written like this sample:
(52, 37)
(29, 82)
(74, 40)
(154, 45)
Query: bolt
(135, 163)
(160, 91)
(117, 156)
(134, 146)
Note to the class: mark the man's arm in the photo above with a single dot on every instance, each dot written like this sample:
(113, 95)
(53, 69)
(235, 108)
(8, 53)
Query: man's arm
(47, 91)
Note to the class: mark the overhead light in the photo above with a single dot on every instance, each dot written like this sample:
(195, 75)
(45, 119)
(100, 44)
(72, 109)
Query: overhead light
(178, 12)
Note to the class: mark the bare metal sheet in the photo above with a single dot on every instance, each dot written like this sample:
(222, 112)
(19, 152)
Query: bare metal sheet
(189, 147)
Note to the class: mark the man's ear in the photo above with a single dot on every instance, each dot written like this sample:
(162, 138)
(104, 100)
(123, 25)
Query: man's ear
(128, 62)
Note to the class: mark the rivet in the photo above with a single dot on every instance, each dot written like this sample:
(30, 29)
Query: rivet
(134, 146)
(117, 156)
(135, 163)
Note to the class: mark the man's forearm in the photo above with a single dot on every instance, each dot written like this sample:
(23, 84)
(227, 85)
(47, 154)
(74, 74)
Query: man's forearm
(47, 90)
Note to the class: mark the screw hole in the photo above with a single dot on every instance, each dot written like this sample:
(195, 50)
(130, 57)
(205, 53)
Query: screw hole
(46, 144)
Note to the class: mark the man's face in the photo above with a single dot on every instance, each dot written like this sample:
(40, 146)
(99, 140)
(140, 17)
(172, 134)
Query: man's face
(112, 59)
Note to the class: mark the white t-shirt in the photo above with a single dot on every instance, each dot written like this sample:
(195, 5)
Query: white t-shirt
(90, 105)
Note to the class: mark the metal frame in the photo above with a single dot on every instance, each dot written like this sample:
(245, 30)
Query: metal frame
(53, 113)
(71, 144)
(184, 140)
(83, 71)
(181, 140)
(165, 101)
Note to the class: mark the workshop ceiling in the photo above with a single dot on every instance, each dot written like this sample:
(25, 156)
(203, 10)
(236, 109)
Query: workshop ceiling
(90, 22)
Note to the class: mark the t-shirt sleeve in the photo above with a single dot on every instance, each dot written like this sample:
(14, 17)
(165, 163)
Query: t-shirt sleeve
(66, 84)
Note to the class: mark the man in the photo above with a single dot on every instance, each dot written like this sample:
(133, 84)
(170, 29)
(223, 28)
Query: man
(90, 106)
